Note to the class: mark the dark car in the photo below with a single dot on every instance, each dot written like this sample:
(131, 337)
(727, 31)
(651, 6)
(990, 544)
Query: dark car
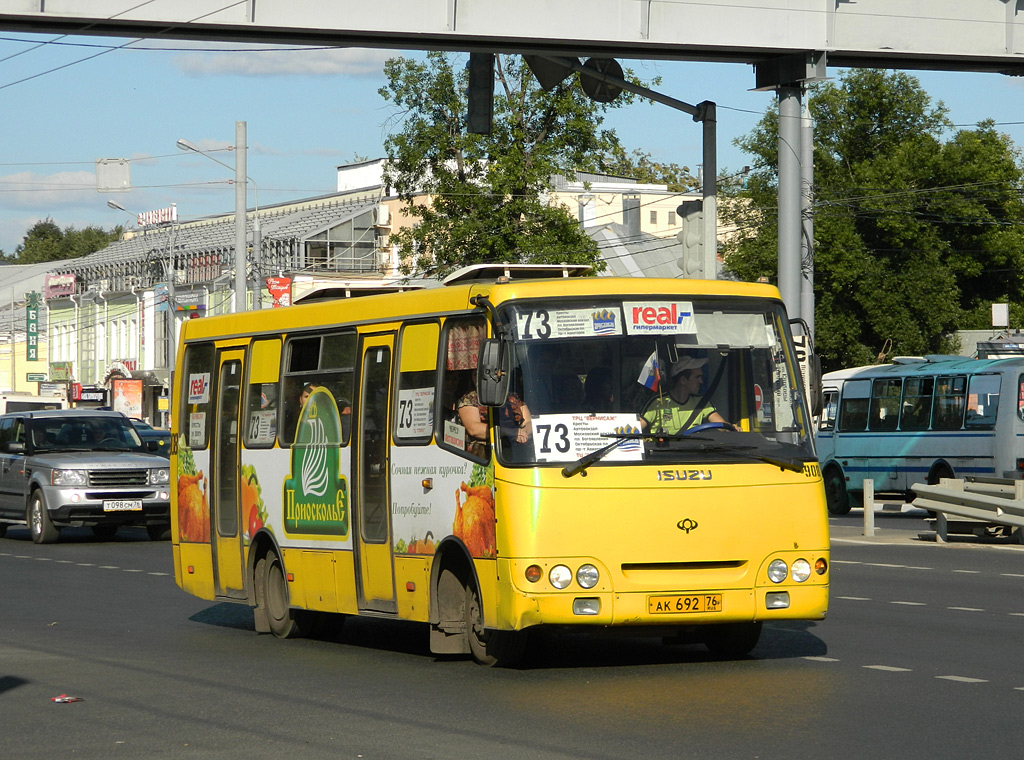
(149, 433)
(80, 467)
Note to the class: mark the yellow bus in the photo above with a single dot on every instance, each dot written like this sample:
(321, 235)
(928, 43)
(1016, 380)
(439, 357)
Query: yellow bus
(499, 453)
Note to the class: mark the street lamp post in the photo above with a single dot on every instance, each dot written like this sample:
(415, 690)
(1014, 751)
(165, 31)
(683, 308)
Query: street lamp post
(241, 180)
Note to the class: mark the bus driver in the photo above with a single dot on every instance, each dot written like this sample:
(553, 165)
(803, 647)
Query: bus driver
(682, 408)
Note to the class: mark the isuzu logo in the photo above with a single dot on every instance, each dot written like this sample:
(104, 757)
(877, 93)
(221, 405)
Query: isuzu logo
(686, 525)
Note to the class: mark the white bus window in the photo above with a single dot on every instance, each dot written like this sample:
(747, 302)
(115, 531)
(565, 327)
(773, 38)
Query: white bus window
(853, 410)
(982, 402)
(197, 382)
(885, 404)
(950, 403)
(312, 362)
(917, 403)
(829, 409)
(417, 376)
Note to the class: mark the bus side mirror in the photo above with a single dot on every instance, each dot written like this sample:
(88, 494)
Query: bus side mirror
(492, 375)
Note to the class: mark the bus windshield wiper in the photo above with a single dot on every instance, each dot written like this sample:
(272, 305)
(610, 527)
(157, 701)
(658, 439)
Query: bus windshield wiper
(581, 464)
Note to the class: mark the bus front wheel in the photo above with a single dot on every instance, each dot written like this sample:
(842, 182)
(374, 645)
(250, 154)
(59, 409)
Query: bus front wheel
(489, 647)
(836, 496)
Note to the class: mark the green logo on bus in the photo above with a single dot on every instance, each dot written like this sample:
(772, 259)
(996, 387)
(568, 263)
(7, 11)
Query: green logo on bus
(316, 494)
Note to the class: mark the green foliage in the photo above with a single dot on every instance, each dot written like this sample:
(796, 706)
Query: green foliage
(639, 165)
(915, 235)
(483, 198)
(45, 241)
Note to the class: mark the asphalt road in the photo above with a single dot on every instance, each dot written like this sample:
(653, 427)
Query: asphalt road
(920, 658)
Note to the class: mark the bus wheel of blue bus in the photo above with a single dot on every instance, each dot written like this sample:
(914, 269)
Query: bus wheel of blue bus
(836, 496)
(731, 640)
(272, 596)
(490, 648)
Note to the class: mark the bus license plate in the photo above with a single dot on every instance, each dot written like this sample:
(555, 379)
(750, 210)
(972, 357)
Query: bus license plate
(673, 605)
(122, 505)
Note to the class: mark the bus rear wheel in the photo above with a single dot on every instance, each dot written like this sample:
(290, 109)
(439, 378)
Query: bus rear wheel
(836, 496)
(272, 596)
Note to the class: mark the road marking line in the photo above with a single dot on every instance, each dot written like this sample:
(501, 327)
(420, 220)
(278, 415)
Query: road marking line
(910, 604)
(41, 559)
(109, 567)
(968, 572)
(855, 598)
(888, 668)
(22, 556)
(1012, 575)
(915, 567)
(882, 564)
(1016, 614)
(817, 658)
(846, 562)
(86, 564)
(132, 571)
(966, 609)
(65, 561)
(158, 573)
(963, 679)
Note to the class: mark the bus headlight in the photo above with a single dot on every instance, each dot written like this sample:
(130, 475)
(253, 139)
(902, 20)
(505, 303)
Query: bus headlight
(587, 576)
(560, 576)
(777, 571)
(801, 570)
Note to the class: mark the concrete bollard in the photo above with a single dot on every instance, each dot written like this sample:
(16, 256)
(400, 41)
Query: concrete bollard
(869, 507)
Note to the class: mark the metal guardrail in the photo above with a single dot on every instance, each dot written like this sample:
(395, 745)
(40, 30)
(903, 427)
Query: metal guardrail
(997, 502)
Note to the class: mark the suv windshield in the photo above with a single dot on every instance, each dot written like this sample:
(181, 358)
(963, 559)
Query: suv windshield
(680, 380)
(83, 433)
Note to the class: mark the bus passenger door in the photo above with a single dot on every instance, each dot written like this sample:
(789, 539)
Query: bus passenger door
(373, 482)
(224, 502)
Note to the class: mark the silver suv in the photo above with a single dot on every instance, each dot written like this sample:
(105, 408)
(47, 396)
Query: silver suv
(80, 467)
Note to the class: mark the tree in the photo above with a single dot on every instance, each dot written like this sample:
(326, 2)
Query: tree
(482, 198)
(639, 165)
(45, 241)
(914, 236)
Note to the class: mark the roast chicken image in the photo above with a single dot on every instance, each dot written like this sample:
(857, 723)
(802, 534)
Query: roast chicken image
(193, 509)
(474, 520)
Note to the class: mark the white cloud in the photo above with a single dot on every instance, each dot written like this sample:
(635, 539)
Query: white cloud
(357, 62)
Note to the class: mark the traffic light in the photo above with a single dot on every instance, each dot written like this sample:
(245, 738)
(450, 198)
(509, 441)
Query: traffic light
(691, 238)
(480, 93)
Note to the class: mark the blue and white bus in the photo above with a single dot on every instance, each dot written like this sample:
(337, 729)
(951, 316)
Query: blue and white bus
(917, 420)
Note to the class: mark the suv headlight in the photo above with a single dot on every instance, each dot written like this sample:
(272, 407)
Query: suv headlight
(70, 478)
(160, 477)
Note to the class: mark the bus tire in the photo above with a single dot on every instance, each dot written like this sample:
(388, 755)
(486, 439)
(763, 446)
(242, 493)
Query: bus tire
(272, 596)
(490, 648)
(40, 526)
(732, 640)
(836, 496)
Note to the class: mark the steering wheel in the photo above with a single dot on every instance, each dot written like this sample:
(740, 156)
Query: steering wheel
(703, 426)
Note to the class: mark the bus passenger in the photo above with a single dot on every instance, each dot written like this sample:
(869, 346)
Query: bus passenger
(679, 410)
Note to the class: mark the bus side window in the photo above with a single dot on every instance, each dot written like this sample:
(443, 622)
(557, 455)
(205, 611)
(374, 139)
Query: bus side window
(197, 386)
(260, 418)
(853, 409)
(829, 410)
(462, 341)
(885, 404)
(982, 402)
(950, 403)
(315, 361)
(917, 403)
(417, 377)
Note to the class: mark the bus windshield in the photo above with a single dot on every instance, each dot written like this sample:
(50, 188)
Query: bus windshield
(687, 381)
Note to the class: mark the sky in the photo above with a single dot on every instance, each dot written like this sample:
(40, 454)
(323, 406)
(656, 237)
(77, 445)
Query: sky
(66, 102)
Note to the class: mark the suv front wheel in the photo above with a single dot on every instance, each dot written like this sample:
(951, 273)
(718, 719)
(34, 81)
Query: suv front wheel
(39, 525)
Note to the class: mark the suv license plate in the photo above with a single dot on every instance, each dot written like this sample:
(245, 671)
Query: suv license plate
(668, 605)
(122, 505)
